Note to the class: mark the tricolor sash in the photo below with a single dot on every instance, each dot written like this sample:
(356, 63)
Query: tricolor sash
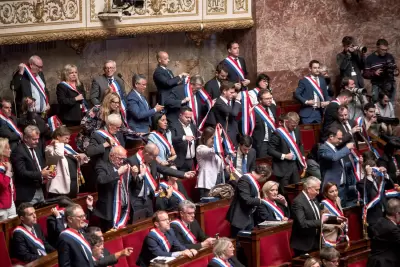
(37, 242)
(260, 110)
(161, 138)
(277, 210)
(36, 83)
(356, 166)
(175, 193)
(254, 92)
(120, 217)
(253, 181)
(54, 122)
(148, 178)
(378, 196)
(392, 193)
(3, 169)
(333, 209)
(206, 98)
(342, 235)
(220, 144)
(107, 135)
(78, 238)
(292, 145)
(192, 100)
(160, 236)
(188, 234)
(68, 150)
(233, 63)
(116, 89)
(248, 116)
(336, 101)
(316, 88)
(220, 262)
(11, 125)
(84, 105)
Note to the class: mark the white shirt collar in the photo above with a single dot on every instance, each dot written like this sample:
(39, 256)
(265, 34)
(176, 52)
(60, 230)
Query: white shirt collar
(224, 99)
(27, 227)
(306, 196)
(330, 145)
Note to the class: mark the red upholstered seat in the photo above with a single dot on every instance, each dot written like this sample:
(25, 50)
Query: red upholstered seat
(72, 142)
(55, 265)
(190, 186)
(355, 226)
(361, 263)
(278, 111)
(4, 256)
(292, 107)
(115, 246)
(201, 262)
(135, 240)
(42, 221)
(279, 252)
(214, 222)
(307, 138)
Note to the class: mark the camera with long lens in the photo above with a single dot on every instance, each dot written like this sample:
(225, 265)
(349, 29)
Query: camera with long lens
(387, 121)
(389, 68)
(362, 49)
(358, 91)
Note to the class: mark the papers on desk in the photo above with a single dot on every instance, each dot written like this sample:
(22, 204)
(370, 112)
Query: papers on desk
(161, 259)
(271, 223)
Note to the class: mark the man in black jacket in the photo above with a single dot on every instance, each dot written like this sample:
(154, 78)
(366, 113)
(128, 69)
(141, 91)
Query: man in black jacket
(247, 199)
(213, 85)
(331, 111)
(28, 241)
(9, 125)
(244, 160)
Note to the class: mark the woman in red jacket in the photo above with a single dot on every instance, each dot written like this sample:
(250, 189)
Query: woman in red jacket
(7, 189)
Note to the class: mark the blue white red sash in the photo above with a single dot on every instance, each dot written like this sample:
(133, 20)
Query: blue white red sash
(220, 144)
(120, 217)
(248, 116)
(84, 105)
(277, 210)
(378, 196)
(253, 181)
(356, 166)
(68, 150)
(360, 122)
(333, 209)
(336, 101)
(188, 234)
(206, 98)
(54, 122)
(77, 237)
(316, 88)
(148, 178)
(36, 83)
(161, 138)
(160, 236)
(220, 262)
(3, 169)
(341, 236)
(192, 100)
(392, 193)
(11, 125)
(175, 193)
(254, 92)
(260, 110)
(292, 145)
(107, 135)
(116, 89)
(37, 242)
(235, 65)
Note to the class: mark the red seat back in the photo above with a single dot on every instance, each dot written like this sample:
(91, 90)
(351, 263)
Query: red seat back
(361, 263)
(200, 262)
(4, 256)
(135, 240)
(355, 223)
(279, 252)
(42, 221)
(114, 246)
(293, 107)
(307, 138)
(72, 142)
(190, 186)
(278, 112)
(214, 222)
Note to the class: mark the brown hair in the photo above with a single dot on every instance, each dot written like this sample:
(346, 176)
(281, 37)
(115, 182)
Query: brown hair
(328, 186)
(60, 131)
(207, 133)
(106, 104)
(226, 85)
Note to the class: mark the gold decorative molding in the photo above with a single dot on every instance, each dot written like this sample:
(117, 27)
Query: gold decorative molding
(216, 7)
(198, 37)
(240, 6)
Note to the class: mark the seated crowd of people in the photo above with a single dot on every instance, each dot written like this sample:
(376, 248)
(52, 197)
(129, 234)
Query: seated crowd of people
(212, 132)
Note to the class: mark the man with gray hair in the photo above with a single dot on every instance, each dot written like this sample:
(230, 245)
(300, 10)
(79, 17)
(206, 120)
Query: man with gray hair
(30, 171)
(107, 82)
(139, 112)
(188, 230)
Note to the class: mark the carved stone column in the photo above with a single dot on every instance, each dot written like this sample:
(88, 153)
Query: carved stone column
(77, 45)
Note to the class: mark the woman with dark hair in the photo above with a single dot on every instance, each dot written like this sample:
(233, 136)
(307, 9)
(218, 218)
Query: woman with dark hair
(161, 137)
(210, 164)
(262, 82)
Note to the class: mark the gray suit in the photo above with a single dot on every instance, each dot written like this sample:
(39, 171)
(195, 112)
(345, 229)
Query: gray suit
(99, 87)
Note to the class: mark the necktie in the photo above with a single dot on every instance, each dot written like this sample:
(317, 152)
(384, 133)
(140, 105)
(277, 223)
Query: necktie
(33, 231)
(244, 164)
(35, 158)
(170, 73)
(144, 187)
(110, 80)
(294, 139)
(316, 214)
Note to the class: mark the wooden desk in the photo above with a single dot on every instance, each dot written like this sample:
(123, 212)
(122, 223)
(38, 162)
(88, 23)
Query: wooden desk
(293, 190)
(49, 260)
(214, 223)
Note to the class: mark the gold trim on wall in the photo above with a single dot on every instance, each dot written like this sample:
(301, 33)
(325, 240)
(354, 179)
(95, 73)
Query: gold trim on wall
(212, 7)
(244, 3)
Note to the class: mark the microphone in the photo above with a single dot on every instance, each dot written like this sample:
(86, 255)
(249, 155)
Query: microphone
(120, 76)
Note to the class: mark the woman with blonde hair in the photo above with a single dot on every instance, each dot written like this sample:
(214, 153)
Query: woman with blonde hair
(224, 254)
(71, 96)
(7, 189)
(312, 262)
(274, 206)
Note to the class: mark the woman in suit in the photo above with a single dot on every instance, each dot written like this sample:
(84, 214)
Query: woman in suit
(71, 96)
(210, 164)
(274, 206)
(224, 254)
(7, 189)
(67, 161)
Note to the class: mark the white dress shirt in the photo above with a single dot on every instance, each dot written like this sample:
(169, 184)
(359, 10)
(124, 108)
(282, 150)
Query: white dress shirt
(315, 206)
(191, 152)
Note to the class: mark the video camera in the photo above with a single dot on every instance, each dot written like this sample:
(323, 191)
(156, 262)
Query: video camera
(388, 121)
(358, 91)
(388, 68)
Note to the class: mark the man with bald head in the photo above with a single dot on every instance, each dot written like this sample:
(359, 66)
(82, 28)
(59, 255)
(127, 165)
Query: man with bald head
(113, 181)
(29, 81)
(144, 185)
(163, 77)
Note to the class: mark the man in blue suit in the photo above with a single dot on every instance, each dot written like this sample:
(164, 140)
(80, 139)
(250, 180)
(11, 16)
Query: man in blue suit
(332, 161)
(161, 241)
(139, 112)
(312, 94)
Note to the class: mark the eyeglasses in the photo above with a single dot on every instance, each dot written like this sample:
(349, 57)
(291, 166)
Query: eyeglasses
(109, 68)
(83, 216)
(115, 102)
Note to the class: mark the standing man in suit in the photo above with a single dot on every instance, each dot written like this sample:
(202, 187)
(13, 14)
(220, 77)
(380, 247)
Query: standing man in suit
(184, 137)
(161, 241)
(244, 160)
(343, 124)
(237, 71)
(29, 81)
(163, 77)
(29, 168)
(331, 111)
(332, 162)
(139, 112)
(9, 125)
(312, 94)
(287, 152)
(247, 199)
(188, 230)
(213, 85)
(73, 249)
(265, 122)
(28, 241)
(107, 82)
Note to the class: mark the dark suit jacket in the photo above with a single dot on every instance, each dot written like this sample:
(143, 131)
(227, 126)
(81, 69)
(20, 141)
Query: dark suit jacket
(306, 228)
(234, 262)
(71, 254)
(171, 204)
(164, 80)
(232, 75)
(27, 176)
(212, 88)
(278, 146)
(54, 228)
(251, 160)
(330, 163)
(347, 137)
(24, 250)
(264, 213)
(221, 111)
(259, 129)
(243, 203)
(385, 244)
(99, 87)
(6, 132)
(69, 109)
(196, 230)
(152, 248)
(139, 113)
(180, 145)
(330, 115)
(387, 162)
(97, 151)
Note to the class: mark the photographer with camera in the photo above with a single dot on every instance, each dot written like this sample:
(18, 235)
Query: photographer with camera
(358, 100)
(381, 68)
(351, 61)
